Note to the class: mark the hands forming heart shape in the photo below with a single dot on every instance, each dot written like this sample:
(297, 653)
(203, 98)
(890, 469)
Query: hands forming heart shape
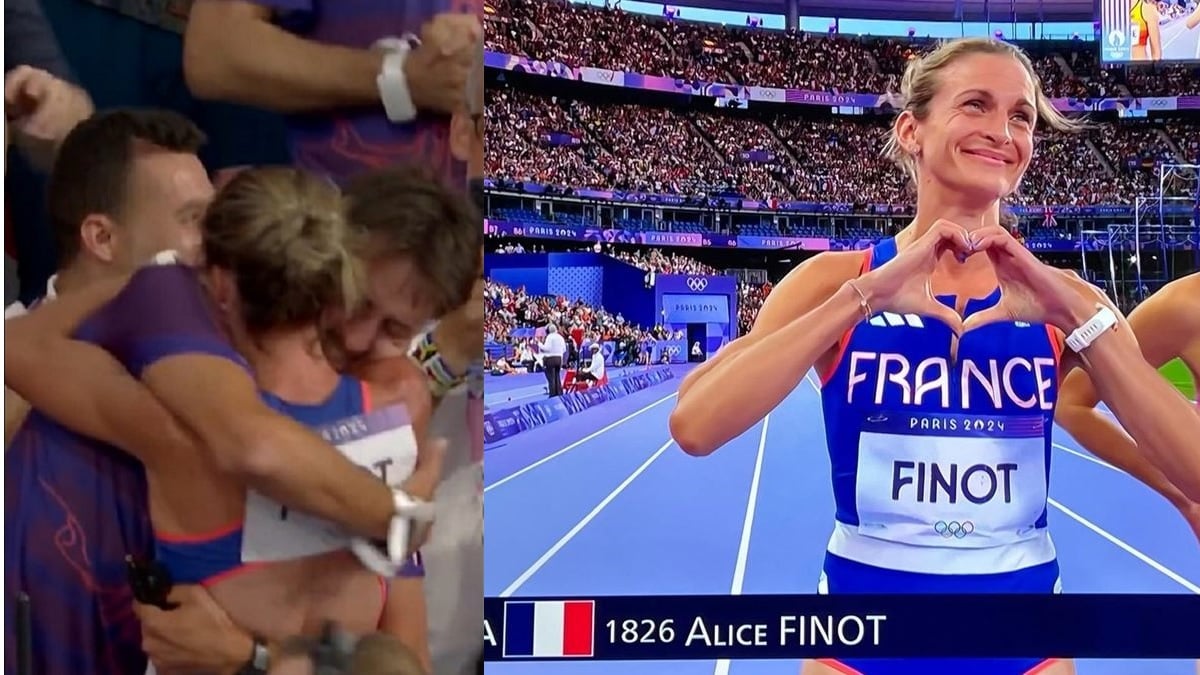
(1030, 290)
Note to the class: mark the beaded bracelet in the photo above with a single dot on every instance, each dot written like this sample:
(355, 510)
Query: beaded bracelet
(441, 379)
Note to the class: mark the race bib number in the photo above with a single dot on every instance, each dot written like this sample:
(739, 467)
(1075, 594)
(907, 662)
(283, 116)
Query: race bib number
(959, 481)
(381, 442)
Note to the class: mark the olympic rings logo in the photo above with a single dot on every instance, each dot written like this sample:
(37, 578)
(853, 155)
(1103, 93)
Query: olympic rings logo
(671, 351)
(697, 284)
(954, 528)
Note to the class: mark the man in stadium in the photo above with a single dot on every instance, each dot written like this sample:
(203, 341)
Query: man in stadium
(594, 370)
(454, 553)
(553, 349)
(100, 231)
(76, 506)
(360, 91)
(200, 634)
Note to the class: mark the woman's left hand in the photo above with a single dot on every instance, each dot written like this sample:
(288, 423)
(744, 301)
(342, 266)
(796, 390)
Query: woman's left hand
(1031, 290)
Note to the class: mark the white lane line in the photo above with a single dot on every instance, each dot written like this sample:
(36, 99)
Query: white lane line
(577, 443)
(566, 538)
(1170, 574)
(739, 568)
(1090, 458)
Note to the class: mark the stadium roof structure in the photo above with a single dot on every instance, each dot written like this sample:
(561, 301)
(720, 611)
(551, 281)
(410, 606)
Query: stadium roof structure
(997, 11)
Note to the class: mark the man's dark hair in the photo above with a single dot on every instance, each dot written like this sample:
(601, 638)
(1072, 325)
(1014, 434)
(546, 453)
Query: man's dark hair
(406, 211)
(94, 162)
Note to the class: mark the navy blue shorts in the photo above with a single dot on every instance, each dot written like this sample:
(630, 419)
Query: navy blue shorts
(841, 575)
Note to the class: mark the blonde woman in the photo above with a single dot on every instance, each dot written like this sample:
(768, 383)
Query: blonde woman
(907, 396)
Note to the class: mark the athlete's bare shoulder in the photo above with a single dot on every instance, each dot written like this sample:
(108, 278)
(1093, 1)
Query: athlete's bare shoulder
(396, 380)
(1175, 306)
(1183, 294)
(811, 283)
(1167, 324)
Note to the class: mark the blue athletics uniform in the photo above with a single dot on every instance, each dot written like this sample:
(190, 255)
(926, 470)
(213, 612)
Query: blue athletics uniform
(941, 464)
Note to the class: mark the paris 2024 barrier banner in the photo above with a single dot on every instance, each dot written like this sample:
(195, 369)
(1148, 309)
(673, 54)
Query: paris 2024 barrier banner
(501, 424)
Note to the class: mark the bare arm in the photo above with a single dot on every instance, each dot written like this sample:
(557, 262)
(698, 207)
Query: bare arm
(1164, 425)
(405, 617)
(218, 401)
(1154, 37)
(15, 411)
(1162, 332)
(233, 52)
(798, 325)
(102, 400)
(210, 395)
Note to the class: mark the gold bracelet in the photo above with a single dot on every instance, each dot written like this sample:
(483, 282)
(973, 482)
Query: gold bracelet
(862, 300)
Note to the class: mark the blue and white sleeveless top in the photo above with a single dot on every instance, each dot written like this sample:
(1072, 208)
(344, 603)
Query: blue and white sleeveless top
(941, 465)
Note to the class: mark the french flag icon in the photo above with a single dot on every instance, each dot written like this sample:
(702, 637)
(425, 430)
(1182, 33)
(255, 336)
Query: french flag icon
(549, 628)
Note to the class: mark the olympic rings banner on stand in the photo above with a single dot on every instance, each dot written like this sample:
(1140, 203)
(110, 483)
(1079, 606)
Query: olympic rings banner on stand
(842, 626)
(501, 424)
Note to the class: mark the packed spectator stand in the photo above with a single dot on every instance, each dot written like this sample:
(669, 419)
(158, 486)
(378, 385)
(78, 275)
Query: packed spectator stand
(581, 35)
(683, 151)
(515, 316)
(629, 143)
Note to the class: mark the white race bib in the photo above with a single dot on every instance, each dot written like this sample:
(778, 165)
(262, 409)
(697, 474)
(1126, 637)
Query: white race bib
(381, 442)
(956, 481)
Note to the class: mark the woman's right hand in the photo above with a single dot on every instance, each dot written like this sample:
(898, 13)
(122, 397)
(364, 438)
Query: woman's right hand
(902, 285)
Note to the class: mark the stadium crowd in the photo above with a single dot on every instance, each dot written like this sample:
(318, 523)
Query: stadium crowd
(626, 147)
(510, 309)
(657, 261)
(584, 35)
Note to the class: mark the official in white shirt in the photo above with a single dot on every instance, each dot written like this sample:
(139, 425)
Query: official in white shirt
(553, 349)
(594, 372)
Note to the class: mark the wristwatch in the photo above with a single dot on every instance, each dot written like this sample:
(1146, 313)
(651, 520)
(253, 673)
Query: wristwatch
(1083, 337)
(392, 81)
(260, 659)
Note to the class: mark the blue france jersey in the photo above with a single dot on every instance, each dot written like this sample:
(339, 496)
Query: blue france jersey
(941, 464)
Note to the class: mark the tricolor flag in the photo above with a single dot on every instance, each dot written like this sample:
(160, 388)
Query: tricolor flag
(549, 628)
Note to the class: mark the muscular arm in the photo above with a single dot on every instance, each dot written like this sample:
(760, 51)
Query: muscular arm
(1163, 424)
(1162, 328)
(218, 402)
(798, 325)
(232, 52)
(79, 384)
(187, 379)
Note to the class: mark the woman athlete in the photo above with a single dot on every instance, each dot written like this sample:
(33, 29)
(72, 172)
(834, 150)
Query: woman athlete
(1167, 327)
(277, 256)
(905, 398)
(1147, 38)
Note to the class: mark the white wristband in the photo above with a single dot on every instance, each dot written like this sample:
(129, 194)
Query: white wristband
(386, 558)
(393, 83)
(1083, 337)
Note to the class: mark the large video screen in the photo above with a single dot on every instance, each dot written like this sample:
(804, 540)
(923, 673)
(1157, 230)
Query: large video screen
(1134, 31)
